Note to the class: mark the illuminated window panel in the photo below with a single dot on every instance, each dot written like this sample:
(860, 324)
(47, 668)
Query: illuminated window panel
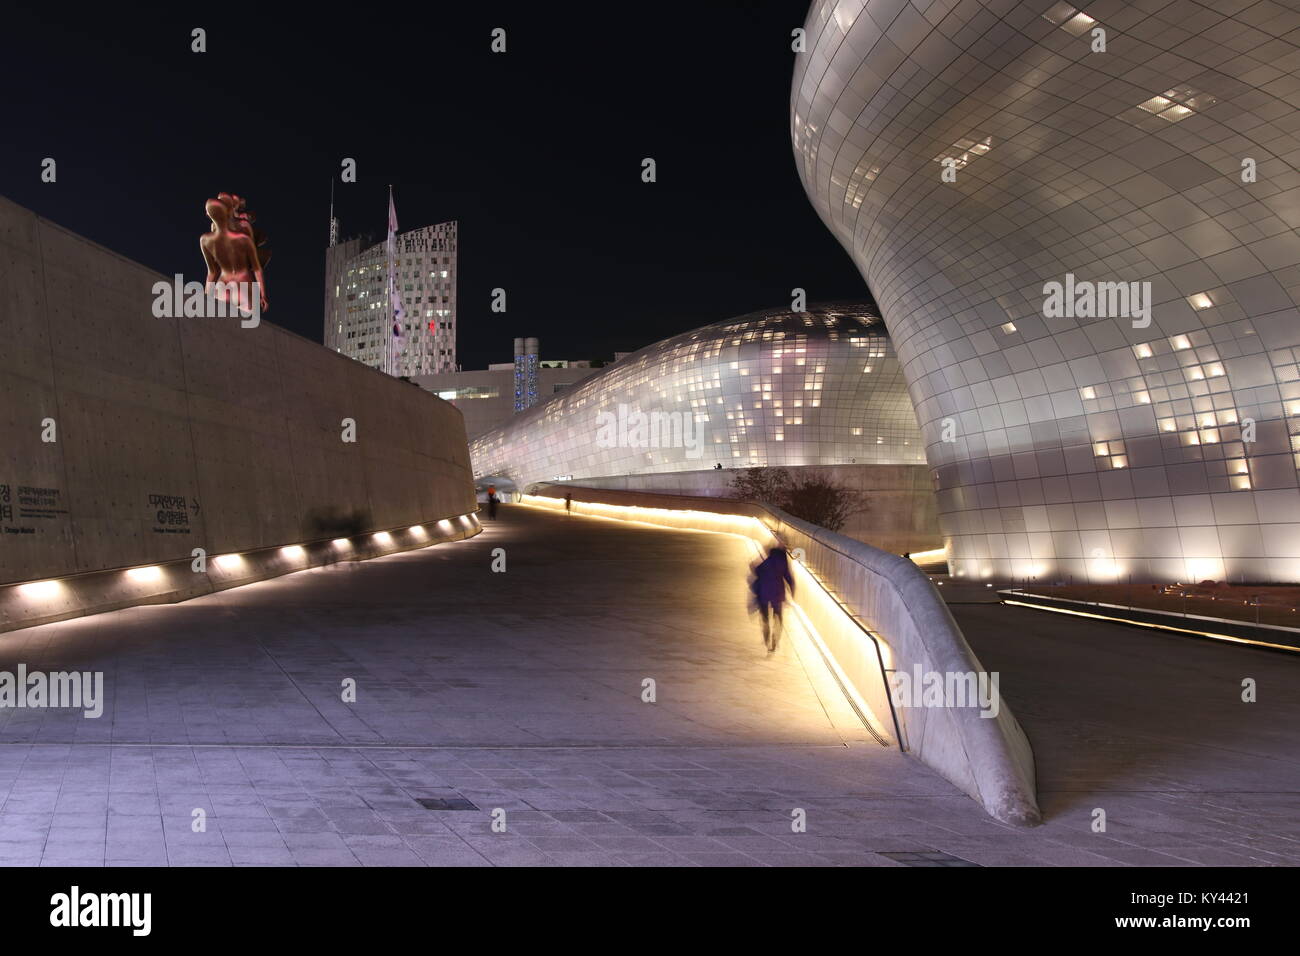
(653, 380)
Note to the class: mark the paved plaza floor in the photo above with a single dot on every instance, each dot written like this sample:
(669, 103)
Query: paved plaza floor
(520, 697)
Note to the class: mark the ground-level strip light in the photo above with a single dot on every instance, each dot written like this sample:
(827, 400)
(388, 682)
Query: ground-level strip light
(1159, 627)
(870, 719)
(40, 590)
(46, 590)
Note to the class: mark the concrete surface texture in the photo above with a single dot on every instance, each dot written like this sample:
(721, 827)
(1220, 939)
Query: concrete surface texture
(899, 515)
(522, 690)
(177, 433)
(894, 607)
(1153, 730)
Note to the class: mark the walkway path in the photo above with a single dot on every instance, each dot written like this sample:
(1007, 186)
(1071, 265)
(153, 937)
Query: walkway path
(519, 691)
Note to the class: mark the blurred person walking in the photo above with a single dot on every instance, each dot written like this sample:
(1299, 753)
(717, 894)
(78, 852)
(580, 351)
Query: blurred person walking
(771, 577)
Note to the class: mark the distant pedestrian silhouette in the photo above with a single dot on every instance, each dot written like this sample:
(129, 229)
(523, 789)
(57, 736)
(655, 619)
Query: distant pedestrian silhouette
(493, 500)
(771, 577)
(568, 502)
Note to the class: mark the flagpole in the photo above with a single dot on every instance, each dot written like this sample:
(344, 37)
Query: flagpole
(388, 326)
(397, 314)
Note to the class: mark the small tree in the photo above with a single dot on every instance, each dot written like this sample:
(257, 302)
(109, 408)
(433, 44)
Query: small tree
(818, 500)
(812, 496)
(770, 485)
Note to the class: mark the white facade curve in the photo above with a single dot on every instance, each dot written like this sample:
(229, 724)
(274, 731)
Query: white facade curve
(1080, 226)
(770, 388)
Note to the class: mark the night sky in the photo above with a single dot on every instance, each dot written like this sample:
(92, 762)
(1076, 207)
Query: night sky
(536, 152)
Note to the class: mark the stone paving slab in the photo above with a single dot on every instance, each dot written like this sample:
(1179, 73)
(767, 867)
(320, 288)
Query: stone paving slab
(522, 692)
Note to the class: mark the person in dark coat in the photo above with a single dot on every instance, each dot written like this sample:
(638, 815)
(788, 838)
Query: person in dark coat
(771, 577)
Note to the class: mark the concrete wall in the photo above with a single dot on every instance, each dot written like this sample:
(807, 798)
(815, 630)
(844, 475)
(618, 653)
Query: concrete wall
(42, 602)
(240, 426)
(901, 514)
(893, 621)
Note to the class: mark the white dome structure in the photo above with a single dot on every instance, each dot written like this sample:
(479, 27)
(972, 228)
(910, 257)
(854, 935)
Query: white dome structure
(1079, 224)
(771, 388)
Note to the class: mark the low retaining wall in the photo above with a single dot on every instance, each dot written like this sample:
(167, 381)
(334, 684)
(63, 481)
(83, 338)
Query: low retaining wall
(893, 621)
(129, 440)
(58, 599)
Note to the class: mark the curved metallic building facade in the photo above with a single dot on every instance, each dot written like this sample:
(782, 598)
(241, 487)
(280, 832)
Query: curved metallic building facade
(769, 388)
(1153, 431)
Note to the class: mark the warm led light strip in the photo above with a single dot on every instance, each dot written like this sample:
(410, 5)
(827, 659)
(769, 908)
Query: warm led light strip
(860, 706)
(1160, 627)
(928, 557)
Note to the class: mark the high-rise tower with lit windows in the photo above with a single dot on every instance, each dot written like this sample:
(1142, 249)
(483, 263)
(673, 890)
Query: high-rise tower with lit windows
(358, 317)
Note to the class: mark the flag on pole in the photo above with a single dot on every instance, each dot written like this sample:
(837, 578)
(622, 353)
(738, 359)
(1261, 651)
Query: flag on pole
(395, 297)
(394, 294)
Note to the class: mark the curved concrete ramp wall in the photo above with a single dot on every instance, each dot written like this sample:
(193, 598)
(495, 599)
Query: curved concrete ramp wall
(172, 434)
(887, 600)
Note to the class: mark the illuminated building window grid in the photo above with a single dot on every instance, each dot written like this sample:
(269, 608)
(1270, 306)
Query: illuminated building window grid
(785, 409)
(810, 125)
